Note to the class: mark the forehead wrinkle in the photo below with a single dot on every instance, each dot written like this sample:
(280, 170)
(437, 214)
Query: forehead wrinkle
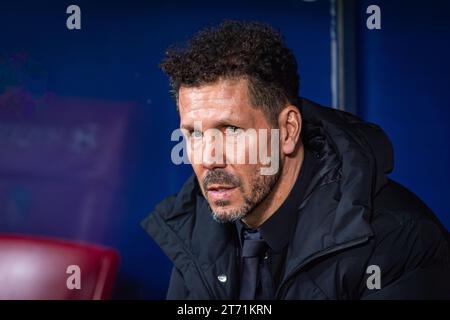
(202, 102)
(222, 93)
(212, 118)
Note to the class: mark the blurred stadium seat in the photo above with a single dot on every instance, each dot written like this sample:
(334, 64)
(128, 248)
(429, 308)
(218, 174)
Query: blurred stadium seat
(37, 268)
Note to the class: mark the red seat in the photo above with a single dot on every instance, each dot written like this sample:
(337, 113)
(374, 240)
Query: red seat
(37, 268)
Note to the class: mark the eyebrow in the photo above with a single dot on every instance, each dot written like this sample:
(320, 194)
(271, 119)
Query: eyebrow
(220, 123)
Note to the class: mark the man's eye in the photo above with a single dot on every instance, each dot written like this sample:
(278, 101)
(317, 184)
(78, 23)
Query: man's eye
(196, 134)
(232, 130)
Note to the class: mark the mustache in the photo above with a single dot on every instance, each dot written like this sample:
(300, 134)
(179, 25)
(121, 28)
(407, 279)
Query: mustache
(220, 177)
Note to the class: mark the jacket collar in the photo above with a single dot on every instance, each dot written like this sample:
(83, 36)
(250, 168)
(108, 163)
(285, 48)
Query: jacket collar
(356, 156)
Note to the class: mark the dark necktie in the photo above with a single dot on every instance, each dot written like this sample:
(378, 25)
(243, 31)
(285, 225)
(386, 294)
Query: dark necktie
(255, 273)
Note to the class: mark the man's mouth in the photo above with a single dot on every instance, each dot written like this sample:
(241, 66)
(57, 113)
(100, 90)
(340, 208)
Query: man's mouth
(220, 192)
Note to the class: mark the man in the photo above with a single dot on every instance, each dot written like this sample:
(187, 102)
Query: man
(327, 224)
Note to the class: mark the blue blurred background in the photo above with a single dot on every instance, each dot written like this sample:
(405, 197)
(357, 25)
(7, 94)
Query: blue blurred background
(86, 118)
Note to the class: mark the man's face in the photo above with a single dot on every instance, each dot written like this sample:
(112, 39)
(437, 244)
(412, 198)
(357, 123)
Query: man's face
(231, 189)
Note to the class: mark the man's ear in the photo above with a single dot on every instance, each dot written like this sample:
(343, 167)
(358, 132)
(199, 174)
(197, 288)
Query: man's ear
(290, 124)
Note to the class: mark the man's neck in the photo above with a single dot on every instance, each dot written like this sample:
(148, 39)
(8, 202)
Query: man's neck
(279, 193)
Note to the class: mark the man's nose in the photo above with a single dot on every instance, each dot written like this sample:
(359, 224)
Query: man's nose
(213, 153)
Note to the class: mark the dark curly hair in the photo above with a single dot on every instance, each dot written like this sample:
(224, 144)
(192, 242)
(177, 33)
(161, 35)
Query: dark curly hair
(233, 50)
